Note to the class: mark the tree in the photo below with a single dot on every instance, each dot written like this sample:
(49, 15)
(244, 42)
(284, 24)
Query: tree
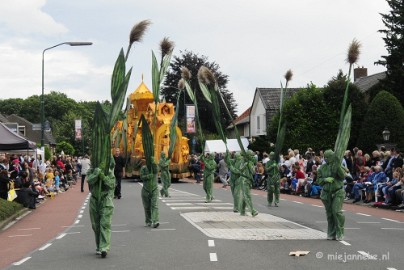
(384, 111)
(66, 147)
(308, 121)
(333, 97)
(193, 62)
(394, 40)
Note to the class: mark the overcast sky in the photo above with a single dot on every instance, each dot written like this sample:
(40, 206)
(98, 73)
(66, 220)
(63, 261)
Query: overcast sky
(254, 42)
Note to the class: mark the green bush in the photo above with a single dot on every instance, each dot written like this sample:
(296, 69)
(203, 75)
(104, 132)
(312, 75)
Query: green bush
(384, 111)
(7, 209)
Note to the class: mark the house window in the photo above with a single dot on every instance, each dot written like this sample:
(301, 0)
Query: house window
(21, 130)
(258, 123)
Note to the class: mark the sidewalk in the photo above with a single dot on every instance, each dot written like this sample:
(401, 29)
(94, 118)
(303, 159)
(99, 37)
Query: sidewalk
(37, 227)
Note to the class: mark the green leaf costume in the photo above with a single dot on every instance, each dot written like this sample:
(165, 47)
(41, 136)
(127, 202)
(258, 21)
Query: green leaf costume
(273, 180)
(246, 181)
(150, 195)
(208, 176)
(235, 186)
(165, 176)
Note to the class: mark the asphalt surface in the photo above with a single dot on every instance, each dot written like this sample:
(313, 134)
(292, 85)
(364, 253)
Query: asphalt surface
(196, 235)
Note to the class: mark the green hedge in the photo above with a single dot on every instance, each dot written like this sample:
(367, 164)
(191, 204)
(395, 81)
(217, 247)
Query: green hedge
(7, 209)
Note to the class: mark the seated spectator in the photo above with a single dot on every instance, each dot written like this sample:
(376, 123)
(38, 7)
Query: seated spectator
(285, 177)
(259, 172)
(359, 184)
(27, 196)
(298, 179)
(383, 189)
(4, 184)
(379, 179)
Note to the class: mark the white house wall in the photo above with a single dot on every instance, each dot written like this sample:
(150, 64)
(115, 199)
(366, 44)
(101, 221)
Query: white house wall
(258, 111)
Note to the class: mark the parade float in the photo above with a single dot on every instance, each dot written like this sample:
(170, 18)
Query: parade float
(127, 133)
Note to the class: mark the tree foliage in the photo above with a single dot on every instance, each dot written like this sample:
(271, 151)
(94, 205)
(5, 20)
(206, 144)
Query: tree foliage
(66, 147)
(60, 111)
(384, 111)
(193, 62)
(394, 40)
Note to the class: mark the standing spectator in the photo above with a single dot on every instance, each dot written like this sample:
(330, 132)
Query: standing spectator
(85, 166)
(223, 172)
(119, 171)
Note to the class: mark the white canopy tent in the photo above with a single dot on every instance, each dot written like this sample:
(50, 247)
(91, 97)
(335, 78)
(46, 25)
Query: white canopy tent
(218, 146)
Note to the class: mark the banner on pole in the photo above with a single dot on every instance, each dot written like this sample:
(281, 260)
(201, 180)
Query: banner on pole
(191, 126)
(77, 129)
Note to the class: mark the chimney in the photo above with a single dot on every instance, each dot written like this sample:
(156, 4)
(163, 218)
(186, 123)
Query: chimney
(359, 73)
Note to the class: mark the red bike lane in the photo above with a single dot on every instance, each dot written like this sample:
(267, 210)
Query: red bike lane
(40, 225)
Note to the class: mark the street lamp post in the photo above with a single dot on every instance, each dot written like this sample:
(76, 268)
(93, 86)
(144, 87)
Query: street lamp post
(42, 96)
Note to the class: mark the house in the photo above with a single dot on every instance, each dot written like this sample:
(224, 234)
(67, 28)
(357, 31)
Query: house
(27, 129)
(242, 123)
(365, 82)
(265, 105)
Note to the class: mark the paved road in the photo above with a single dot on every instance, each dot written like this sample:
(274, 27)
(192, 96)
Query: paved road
(195, 235)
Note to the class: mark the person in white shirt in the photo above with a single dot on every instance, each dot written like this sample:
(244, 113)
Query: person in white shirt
(85, 166)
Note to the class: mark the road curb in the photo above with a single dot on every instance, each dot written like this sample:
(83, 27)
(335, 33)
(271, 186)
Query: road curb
(12, 218)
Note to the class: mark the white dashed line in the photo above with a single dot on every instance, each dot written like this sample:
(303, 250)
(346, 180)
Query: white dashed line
(77, 221)
(297, 202)
(81, 211)
(213, 257)
(164, 229)
(389, 268)
(211, 243)
(392, 229)
(369, 222)
(22, 261)
(317, 205)
(120, 231)
(29, 229)
(367, 255)
(362, 214)
(79, 216)
(19, 235)
(45, 246)
(345, 243)
(392, 220)
(61, 236)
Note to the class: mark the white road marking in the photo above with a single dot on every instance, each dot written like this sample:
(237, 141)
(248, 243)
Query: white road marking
(190, 200)
(297, 202)
(392, 220)
(367, 255)
(19, 235)
(45, 246)
(79, 216)
(81, 211)
(317, 205)
(362, 214)
(73, 232)
(178, 204)
(211, 243)
(188, 207)
(390, 268)
(213, 257)
(73, 226)
(168, 229)
(368, 222)
(77, 221)
(345, 243)
(392, 229)
(29, 229)
(61, 236)
(214, 203)
(84, 203)
(121, 231)
(83, 208)
(22, 261)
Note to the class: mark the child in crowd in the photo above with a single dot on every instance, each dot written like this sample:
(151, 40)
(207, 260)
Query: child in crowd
(57, 181)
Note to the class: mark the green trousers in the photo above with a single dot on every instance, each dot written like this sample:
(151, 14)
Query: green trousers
(150, 205)
(245, 198)
(235, 191)
(166, 183)
(101, 218)
(208, 187)
(333, 203)
(273, 191)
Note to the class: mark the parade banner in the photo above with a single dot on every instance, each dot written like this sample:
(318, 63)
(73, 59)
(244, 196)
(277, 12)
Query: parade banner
(77, 129)
(190, 113)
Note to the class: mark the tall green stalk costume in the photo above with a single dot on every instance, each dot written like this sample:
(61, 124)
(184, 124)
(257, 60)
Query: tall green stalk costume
(165, 176)
(246, 181)
(331, 177)
(273, 180)
(101, 207)
(150, 195)
(208, 176)
(234, 166)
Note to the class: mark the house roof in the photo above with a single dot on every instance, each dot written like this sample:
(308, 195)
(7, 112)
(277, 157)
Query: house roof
(271, 97)
(3, 119)
(241, 119)
(12, 141)
(365, 83)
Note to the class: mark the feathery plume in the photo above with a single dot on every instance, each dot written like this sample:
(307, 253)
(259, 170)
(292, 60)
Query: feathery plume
(166, 46)
(288, 75)
(353, 52)
(206, 76)
(181, 84)
(185, 73)
(137, 32)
